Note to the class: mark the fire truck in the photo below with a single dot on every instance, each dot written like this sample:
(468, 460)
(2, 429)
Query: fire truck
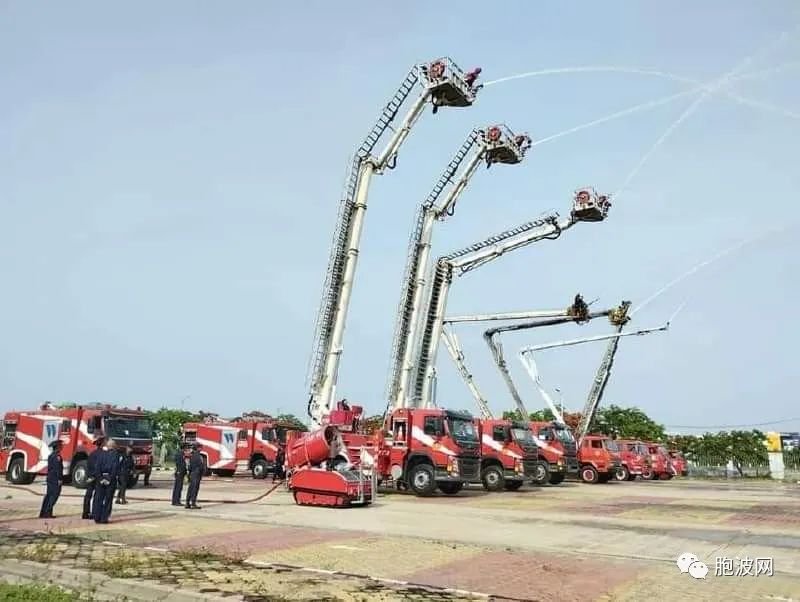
(634, 460)
(509, 455)
(679, 462)
(557, 446)
(443, 84)
(28, 434)
(598, 458)
(249, 444)
(660, 462)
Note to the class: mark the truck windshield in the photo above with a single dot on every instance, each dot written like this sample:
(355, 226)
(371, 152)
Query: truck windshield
(462, 430)
(610, 445)
(564, 435)
(523, 436)
(129, 428)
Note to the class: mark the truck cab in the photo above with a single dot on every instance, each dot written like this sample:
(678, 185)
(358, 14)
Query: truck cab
(679, 462)
(219, 441)
(660, 462)
(634, 460)
(509, 455)
(557, 446)
(263, 439)
(598, 458)
(426, 449)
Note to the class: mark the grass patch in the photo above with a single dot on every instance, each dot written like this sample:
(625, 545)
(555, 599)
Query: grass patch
(35, 593)
(37, 552)
(124, 565)
(203, 554)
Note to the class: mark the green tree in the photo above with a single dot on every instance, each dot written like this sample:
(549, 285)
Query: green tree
(628, 423)
(293, 420)
(543, 415)
(167, 424)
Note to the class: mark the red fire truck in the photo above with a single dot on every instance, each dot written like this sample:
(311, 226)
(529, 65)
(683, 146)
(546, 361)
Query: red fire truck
(27, 436)
(509, 455)
(598, 459)
(679, 462)
(634, 460)
(231, 447)
(423, 449)
(557, 446)
(660, 461)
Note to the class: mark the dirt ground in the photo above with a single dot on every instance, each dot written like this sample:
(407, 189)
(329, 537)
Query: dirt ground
(615, 541)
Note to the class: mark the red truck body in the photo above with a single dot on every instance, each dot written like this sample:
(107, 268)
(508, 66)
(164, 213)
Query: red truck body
(236, 447)
(679, 462)
(27, 436)
(509, 455)
(598, 458)
(426, 449)
(557, 446)
(634, 460)
(660, 462)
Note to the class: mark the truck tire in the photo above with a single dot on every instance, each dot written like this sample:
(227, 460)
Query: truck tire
(80, 474)
(541, 475)
(589, 474)
(556, 478)
(259, 469)
(422, 480)
(666, 476)
(647, 474)
(513, 485)
(622, 473)
(450, 487)
(493, 478)
(17, 474)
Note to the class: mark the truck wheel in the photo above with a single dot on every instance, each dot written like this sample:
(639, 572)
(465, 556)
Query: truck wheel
(589, 474)
(622, 474)
(666, 476)
(451, 488)
(647, 474)
(17, 474)
(513, 485)
(493, 478)
(541, 474)
(260, 469)
(422, 480)
(556, 478)
(80, 474)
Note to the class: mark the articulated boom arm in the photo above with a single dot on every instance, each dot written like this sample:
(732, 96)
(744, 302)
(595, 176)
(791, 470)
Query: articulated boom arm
(578, 312)
(444, 84)
(587, 206)
(495, 144)
(454, 349)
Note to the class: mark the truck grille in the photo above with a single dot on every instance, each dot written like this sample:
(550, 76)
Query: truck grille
(529, 466)
(469, 467)
(569, 448)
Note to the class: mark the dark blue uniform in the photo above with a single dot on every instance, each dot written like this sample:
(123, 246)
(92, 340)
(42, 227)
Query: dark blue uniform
(107, 472)
(196, 468)
(91, 470)
(125, 473)
(180, 475)
(55, 476)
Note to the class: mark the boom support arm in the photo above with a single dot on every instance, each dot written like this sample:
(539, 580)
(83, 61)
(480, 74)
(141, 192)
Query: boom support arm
(496, 144)
(587, 206)
(454, 349)
(443, 84)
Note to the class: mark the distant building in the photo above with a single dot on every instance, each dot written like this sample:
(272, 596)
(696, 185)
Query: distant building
(790, 441)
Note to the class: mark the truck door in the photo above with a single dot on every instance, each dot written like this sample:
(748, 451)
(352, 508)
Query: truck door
(228, 448)
(51, 431)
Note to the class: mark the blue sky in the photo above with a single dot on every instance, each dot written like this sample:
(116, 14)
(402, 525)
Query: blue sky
(169, 176)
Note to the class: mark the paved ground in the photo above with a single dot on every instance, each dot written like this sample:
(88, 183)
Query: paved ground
(617, 541)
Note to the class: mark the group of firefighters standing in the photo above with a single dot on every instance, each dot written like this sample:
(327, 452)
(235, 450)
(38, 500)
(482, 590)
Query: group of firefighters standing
(109, 469)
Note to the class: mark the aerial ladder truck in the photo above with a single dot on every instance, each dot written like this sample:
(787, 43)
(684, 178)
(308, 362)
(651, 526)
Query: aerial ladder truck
(496, 144)
(443, 84)
(597, 455)
(499, 436)
(585, 208)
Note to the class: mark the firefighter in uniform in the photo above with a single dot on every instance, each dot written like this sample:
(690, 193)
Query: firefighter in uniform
(125, 473)
(196, 468)
(91, 478)
(180, 475)
(107, 469)
(55, 477)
